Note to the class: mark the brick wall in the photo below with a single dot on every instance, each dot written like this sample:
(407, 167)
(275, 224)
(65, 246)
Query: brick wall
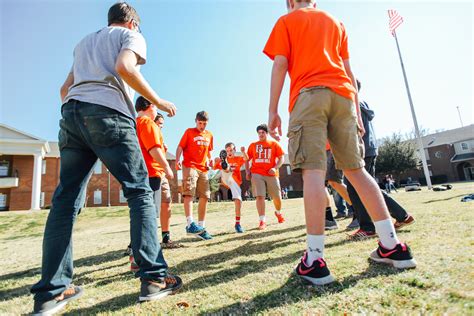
(20, 197)
(50, 180)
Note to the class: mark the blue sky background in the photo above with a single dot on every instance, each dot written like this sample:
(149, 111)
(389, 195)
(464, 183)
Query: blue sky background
(207, 54)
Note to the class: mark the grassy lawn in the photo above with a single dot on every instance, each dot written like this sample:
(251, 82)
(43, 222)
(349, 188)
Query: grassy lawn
(252, 273)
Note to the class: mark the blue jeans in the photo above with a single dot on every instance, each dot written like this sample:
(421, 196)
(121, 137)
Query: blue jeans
(87, 132)
(340, 203)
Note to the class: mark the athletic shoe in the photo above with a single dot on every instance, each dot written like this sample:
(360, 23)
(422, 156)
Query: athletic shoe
(155, 290)
(330, 225)
(317, 273)
(262, 225)
(280, 218)
(361, 235)
(400, 257)
(133, 265)
(194, 229)
(408, 221)
(223, 157)
(53, 306)
(353, 225)
(171, 244)
(340, 216)
(128, 251)
(204, 235)
(238, 229)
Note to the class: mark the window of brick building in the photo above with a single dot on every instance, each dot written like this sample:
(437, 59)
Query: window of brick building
(43, 167)
(288, 170)
(464, 146)
(122, 198)
(97, 197)
(98, 167)
(290, 188)
(42, 198)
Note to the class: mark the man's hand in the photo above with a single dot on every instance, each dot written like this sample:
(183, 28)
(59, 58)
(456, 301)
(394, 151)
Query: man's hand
(165, 147)
(169, 173)
(178, 165)
(360, 127)
(274, 125)
(272, 171)
(248, 176)
(167, 106)
(242, 149)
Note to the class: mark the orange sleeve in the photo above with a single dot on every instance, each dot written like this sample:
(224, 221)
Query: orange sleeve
(250, 152)
(184, 140)
(150, 135)
(344, 48)
(279, 41)
(217, 166)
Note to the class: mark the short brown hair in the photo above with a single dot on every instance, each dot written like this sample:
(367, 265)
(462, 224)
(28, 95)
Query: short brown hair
(202, 116)
(122, 12)
(229, 144)
(141, 104)
(262, 127)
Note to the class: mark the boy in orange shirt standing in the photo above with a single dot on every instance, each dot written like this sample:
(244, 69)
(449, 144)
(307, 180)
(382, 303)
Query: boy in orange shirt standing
(311, 46)
(196, 147)
(266, 157)
(231, 177)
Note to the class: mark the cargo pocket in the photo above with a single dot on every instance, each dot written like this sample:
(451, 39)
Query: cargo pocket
(62, 136)
(103, 129)
(295, 152)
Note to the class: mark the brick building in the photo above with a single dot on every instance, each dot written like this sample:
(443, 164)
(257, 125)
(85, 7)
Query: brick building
(29, 174)
(450, 156)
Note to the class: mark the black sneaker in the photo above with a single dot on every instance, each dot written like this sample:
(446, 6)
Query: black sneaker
(53, 306)
(128, 251)
(317, 273)
(340, 216)
(330, 225)
(353, 225)
(223, 157)
(400, 257)
(154, 290)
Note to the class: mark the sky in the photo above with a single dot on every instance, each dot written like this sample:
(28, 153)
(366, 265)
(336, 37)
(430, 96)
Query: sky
(207, 55)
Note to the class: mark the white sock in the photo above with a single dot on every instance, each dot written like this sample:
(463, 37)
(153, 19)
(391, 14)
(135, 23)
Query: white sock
(202, 223)
(315, 248)
(386, 231)
(189, 220)
(278, 212)
(262, 218)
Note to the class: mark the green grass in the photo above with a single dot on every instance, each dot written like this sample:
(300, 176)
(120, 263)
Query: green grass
(252, 273)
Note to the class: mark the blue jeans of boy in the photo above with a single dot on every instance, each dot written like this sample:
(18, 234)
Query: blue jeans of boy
(89, 132)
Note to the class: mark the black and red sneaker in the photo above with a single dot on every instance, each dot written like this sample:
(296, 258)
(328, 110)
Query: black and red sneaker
(400, 257)
(317, 273)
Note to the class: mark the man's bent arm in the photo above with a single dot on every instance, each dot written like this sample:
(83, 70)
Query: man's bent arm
(66, 85)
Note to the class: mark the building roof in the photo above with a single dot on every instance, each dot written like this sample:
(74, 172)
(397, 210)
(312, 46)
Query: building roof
(448, 137)
(16, 142)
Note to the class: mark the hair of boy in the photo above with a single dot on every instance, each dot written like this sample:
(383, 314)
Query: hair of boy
(122, 12)
(359, 85)
(142, 104)
(158, 116)
(229, 145)
(262, 127)
(288, 2)
(202, 116)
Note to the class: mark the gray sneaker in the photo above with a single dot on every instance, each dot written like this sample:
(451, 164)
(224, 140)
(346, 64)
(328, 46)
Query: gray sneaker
(353, 225)
(53, 306)
(331, 225)
(154, 290)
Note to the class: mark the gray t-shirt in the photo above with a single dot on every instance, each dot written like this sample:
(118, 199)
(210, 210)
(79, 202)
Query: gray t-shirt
(95, 78)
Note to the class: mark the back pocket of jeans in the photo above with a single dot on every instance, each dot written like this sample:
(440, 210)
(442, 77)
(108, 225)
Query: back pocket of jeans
(62, 136)
(103, 129)
(295, 152)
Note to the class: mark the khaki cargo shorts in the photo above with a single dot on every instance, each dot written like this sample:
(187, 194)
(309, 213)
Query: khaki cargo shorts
(319, 115)
(195, 183)
(260, 185)
(165, 191)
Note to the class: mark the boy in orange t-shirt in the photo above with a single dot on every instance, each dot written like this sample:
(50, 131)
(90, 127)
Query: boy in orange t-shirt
(232, 177)
(266, 157)
(311, 46)
(196, 147)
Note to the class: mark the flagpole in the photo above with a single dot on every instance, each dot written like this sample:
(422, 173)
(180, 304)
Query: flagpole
(417, 131)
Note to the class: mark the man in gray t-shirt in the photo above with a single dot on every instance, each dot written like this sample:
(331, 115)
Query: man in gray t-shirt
(98, 122)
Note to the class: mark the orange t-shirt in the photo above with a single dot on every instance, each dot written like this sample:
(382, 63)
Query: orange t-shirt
(263, 156)
(196, 147)
(315, 44)
(236, 163)
(149, 137)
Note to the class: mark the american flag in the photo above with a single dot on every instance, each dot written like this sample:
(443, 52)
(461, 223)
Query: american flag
(395, 21)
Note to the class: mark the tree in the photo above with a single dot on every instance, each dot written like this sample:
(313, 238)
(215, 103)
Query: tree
(396, 156)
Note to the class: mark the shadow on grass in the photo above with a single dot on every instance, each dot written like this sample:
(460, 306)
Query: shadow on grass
(294, 291)
(445, 199)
